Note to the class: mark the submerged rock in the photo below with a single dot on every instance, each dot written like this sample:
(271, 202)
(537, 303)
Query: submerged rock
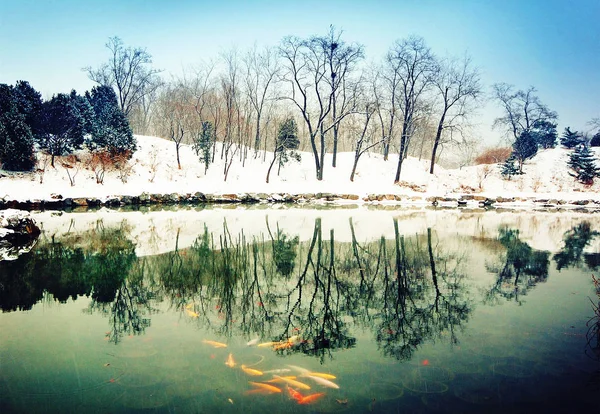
(18, 233)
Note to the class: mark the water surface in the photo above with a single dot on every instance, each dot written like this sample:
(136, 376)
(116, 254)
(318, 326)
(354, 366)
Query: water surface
(411, 311)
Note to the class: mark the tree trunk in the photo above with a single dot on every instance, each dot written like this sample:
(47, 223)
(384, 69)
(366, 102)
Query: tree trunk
(438, 136)
(271, 166)
(320, 174)
(335, 145)
(356, 157)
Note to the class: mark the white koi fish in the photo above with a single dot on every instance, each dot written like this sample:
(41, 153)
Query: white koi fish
(322, 381)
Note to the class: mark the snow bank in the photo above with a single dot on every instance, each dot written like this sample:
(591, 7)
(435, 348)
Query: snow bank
(154, 170)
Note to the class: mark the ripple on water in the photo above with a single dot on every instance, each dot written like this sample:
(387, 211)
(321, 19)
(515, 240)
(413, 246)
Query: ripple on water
(477, 392)
(433, 373)
(513, 368)
(145, 398)
(424, 386)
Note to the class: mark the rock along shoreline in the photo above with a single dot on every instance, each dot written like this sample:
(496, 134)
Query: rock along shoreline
(57, 202)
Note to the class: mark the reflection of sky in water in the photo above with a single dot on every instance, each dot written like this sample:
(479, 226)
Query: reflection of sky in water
(470, 353)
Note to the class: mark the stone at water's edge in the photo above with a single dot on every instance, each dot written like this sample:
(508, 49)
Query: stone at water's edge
(18, 233)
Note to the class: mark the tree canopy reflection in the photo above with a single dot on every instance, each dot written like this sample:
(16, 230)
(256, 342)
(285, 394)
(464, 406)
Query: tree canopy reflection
(407, 290)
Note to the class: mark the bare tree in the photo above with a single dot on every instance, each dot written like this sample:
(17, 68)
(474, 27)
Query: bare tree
(364, 136)
(385, 85)
(129, 71)
(522, 109)
(231, 92)
(341, 60)
(175, 114)
(413, 63)
(314, 71)
(261, 72)
(457, 85)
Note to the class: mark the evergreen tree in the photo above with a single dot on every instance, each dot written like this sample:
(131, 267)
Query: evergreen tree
(595, 142)
(570, 139)
(16, 139)
(204, 143)
(545, 133)
(285, 145)
(524, 148)
(581, 161)
(63, 126)
(86, 111)
(111, 129)
(29, 103)
(508, 168)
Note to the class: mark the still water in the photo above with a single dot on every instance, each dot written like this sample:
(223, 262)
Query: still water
(303, 310)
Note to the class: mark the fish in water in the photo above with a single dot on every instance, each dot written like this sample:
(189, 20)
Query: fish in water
(191, 313)
(294, 394)
(230, 362)
(299, 369)
(215, 343)
(252, 342)
(322, 381)
(311, 398)
(322, 375)
(267, 387)
(282, 345)
(264, 344)
(277, 371)
(293, 382)
(282, 379)
(250, 371)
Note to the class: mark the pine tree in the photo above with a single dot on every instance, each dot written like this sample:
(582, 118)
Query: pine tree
(595, 142)
(111, 130)
(570, 139)
(63, 126)
(16, 139)
(545, 134)
(285, 145)
(29, 103)
(508, 168)
(524, 147)
(581, 161)
(204, 143)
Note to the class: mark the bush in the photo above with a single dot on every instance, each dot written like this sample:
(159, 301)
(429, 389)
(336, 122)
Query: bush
(493, 156)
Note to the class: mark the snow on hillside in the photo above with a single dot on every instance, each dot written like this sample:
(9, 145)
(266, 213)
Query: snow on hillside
(154, 170)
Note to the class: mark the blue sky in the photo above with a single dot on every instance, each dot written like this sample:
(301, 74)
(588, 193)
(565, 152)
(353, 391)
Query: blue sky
(550, 44)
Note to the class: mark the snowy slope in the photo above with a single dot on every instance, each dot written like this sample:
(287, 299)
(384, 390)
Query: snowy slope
(154, 170)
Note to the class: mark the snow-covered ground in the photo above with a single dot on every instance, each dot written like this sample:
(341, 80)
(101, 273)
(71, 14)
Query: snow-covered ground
(154, 170)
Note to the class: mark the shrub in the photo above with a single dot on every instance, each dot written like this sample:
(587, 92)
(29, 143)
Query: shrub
(493, 156)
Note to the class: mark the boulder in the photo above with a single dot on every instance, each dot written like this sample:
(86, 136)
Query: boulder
(18, 233)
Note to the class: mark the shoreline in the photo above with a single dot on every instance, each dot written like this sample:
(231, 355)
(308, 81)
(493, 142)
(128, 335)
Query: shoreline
(57, 202)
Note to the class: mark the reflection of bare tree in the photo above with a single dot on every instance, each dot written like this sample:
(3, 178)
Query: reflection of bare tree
(416, 309)
(132, 303)
(519, 269)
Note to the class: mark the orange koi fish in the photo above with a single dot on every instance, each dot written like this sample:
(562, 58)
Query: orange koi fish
(191, 313)
(311, 398)
(294, 394)
(265, 344)
(282, 379)
(230, 362)
(250, 371)
(322, 381)
(322, 375)
(282, 345)
(215, 343)
(267, 387)
(293, 383)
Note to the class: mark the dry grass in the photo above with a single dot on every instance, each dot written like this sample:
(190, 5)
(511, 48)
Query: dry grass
(493, 156)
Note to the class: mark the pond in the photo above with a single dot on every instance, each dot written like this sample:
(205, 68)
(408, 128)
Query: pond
(303, 310)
